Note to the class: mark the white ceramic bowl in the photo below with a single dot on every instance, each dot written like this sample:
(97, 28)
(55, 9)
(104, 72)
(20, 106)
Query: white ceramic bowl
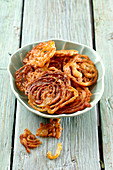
(97, 89)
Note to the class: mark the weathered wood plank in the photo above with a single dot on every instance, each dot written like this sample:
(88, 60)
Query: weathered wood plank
(7, 104)
(103, 15)
(68, 20)
(10, 19)
(79, 140)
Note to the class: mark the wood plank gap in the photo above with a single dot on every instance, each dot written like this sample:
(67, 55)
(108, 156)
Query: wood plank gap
(14, 123)
(92, 24)
(98, 105)
(21, 27)
(100, 138)
(13, 136)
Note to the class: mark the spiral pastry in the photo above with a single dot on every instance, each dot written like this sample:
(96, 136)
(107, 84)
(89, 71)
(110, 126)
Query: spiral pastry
(80, 103)
(61, 57)
(27, 74)
(21, 76)
(51, 91)
(40, 54)
(81, 70)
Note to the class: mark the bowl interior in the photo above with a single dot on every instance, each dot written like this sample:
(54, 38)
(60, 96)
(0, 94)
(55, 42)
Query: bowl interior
(96, 89)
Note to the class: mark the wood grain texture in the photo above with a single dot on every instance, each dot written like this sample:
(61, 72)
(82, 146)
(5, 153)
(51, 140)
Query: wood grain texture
(103, 15)
(7, 104)
(10, 20)
(67, 20)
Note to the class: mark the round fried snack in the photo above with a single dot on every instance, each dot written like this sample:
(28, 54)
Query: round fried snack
(65, 53)
(81, 70)
(27, 74)
(51, 156)
(31, 76)
(80, 103)
(51, 91)
(21, 78)
(40, 54)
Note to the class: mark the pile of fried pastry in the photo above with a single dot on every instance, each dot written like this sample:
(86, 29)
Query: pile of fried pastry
(56, 81)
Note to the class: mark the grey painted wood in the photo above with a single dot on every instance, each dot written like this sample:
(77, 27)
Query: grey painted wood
(67, 20)
(7, 103)
(10, 19)
(79, 141)
(103, 15)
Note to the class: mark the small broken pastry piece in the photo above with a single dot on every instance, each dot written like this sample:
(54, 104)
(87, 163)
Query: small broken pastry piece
(51, 156)
(40, 54)
(51, 129)
(28, 140)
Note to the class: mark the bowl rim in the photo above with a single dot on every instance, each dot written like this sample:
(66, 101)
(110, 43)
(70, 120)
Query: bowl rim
(38, 113)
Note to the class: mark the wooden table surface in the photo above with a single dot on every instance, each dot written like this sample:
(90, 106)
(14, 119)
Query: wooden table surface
(87, 139)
